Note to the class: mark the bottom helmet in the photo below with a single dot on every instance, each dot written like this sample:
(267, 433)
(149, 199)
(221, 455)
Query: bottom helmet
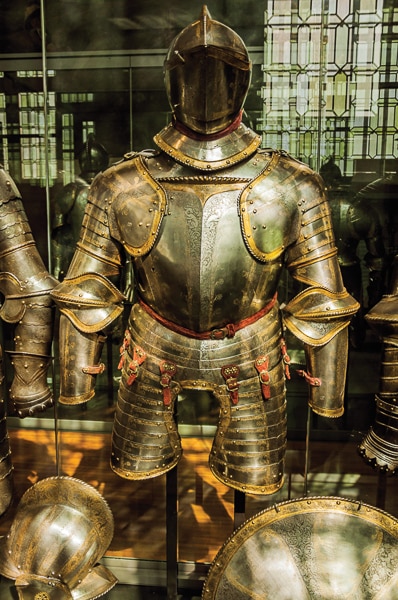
(61, 529)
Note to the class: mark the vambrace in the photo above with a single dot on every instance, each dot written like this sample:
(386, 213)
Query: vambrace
(319, 318)
(379, 447)
(79, 362)
(25, 285)
(88, 303)
(32, 312)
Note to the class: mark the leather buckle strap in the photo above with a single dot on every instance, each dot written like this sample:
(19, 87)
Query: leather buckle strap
(218, 333)
(230, 374)
(262, 364)
(312, 381)
(94, 369)
(286, 358)
(138, 358)
(167, 371)
(124, 347)
(223, 332)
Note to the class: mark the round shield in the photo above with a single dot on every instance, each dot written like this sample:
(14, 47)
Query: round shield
(320, 547)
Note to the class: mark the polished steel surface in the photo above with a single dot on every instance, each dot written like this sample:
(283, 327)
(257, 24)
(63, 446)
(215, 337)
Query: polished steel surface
(210, 223)
(6, 466)
(249, 444)
(208, 155)
(315, 547)
(60, 531)
(25, 285)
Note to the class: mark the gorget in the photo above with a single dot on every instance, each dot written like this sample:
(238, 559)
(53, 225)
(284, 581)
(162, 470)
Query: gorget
(208, 155)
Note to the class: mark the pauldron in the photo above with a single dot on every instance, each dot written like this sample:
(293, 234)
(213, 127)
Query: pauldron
(266, 227)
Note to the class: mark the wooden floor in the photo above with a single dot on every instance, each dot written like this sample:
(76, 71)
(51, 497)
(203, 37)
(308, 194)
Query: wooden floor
(206, 508)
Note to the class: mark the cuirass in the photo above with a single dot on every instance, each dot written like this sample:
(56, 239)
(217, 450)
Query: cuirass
(220, 242)
(201, 253)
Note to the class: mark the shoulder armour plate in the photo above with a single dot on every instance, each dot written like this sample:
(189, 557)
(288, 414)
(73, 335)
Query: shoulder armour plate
(8, 189)
(138, 209)
(248, 211)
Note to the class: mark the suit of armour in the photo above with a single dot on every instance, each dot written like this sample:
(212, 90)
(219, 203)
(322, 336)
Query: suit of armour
(209, 221)
(27, 307)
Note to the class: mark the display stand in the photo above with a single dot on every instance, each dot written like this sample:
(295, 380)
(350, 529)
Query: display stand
(172, 533)
(172, 515)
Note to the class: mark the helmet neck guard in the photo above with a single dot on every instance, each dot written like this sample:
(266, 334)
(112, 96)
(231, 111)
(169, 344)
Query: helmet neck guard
(210, 153)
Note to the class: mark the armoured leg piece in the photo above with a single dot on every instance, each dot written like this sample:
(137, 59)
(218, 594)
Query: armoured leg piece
(145, 440)
(6, 468)
(249, 444)
(250, 441)
(380, 445)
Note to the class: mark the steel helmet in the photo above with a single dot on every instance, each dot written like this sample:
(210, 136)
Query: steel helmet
(207, 75)
(62, 527)
(93, 158)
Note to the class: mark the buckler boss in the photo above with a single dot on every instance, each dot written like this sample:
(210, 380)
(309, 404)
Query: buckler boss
(210, 221)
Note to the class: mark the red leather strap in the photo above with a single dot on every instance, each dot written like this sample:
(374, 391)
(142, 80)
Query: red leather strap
(227, 331)
(138, 358)
(124, 347)
(208, 137)
(230, 374)
(94, 369)
(314, 381)
(286, 358)
(167, 371)
(262, 364)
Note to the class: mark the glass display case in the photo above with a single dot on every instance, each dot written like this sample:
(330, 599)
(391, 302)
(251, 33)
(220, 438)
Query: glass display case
(324, 89)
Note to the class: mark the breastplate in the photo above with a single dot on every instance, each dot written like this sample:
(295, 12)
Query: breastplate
(212, 244)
